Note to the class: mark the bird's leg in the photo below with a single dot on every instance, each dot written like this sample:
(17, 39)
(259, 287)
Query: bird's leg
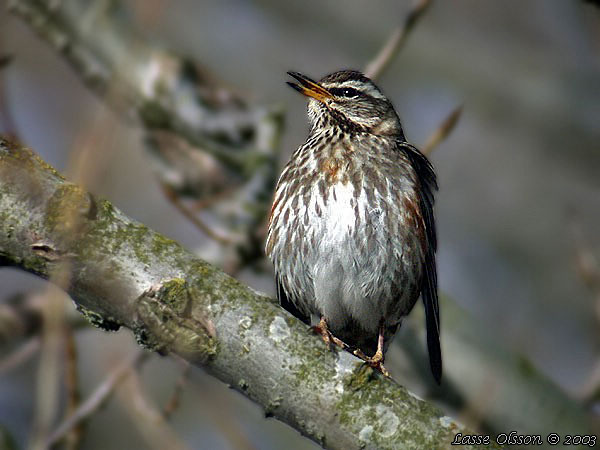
(327, 336)
(376, 361)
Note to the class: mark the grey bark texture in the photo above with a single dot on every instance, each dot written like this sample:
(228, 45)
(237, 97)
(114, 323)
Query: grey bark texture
(121, 273)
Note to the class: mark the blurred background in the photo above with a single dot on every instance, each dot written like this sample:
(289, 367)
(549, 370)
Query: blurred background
(518, 209)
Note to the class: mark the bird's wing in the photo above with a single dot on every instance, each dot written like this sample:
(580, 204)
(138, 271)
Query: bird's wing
(287, 304)
(429, 294)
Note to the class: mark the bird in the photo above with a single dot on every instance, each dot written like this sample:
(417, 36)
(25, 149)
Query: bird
(351, 232)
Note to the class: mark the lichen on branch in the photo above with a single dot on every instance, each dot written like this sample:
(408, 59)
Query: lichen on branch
(124, 274)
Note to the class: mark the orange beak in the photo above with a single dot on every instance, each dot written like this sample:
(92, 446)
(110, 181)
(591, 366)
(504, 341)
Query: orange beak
(309, 87)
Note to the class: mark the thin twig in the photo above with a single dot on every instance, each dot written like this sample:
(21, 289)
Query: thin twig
(21, 317)
(173, 402)
(587, 267)
(48, 378)
(73, 438)
(147, 417)
(589, 391)
(587, 264)
(396, 40)
(196, 221)
(21, 355)
(98, 397)
(442, 131)
(223, 419)
(54, 333)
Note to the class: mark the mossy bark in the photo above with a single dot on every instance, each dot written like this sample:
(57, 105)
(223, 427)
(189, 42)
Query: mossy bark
(121, 273)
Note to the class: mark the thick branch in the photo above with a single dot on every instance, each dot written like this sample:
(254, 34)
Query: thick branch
(124, 274)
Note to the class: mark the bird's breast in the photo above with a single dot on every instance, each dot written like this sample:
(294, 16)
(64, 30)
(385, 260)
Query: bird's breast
(339, 214)
(339, 234)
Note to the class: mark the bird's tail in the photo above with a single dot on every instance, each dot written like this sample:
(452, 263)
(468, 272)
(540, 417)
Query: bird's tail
(432, 321)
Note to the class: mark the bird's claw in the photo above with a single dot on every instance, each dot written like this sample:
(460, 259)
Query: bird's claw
(327, 336)
(375, 361)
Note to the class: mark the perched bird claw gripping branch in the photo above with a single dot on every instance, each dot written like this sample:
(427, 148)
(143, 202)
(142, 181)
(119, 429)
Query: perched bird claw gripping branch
(352, 232)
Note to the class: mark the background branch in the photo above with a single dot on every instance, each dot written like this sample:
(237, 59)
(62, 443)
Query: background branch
(396, 40)
(202, 137)
(442, 131)
(96, 399)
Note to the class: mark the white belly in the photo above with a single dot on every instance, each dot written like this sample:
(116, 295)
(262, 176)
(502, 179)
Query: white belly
(340, 258)
(349, 279)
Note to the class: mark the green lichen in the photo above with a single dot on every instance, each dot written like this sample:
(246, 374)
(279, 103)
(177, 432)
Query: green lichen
(135, 234)
(305, 362)
(26, 157)
(359, 378)
(45, 166)
(153, 115)
(244, 325)
(66, 210)
(98, 320)
(162, 246)
(211, 289)
(165, 317)
(147, 340)
(312, 365)
(34, 264)
(107, 208)
(391, 414)
(113, 233)
(175, 294)
(272, 405)
(10, 229)
(108, 232)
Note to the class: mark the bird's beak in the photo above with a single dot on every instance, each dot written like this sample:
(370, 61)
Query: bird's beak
(309, 87)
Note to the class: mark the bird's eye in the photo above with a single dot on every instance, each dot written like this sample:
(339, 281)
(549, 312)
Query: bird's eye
(345, 92)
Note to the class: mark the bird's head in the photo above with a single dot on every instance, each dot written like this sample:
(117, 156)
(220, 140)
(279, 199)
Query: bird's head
(349, 99)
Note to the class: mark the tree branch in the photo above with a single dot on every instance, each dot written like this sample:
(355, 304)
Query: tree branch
(202, 137)
(442, 131)
(124, 274)
(396, 40)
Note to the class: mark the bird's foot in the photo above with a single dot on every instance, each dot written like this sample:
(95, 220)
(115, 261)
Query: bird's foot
(375, 361)
(323, 330)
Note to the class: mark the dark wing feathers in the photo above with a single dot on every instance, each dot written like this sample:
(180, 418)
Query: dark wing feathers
(429, 293)
(287, 304)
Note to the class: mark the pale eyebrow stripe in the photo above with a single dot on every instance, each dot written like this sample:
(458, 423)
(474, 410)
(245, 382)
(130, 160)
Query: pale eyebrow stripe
(367, 89)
